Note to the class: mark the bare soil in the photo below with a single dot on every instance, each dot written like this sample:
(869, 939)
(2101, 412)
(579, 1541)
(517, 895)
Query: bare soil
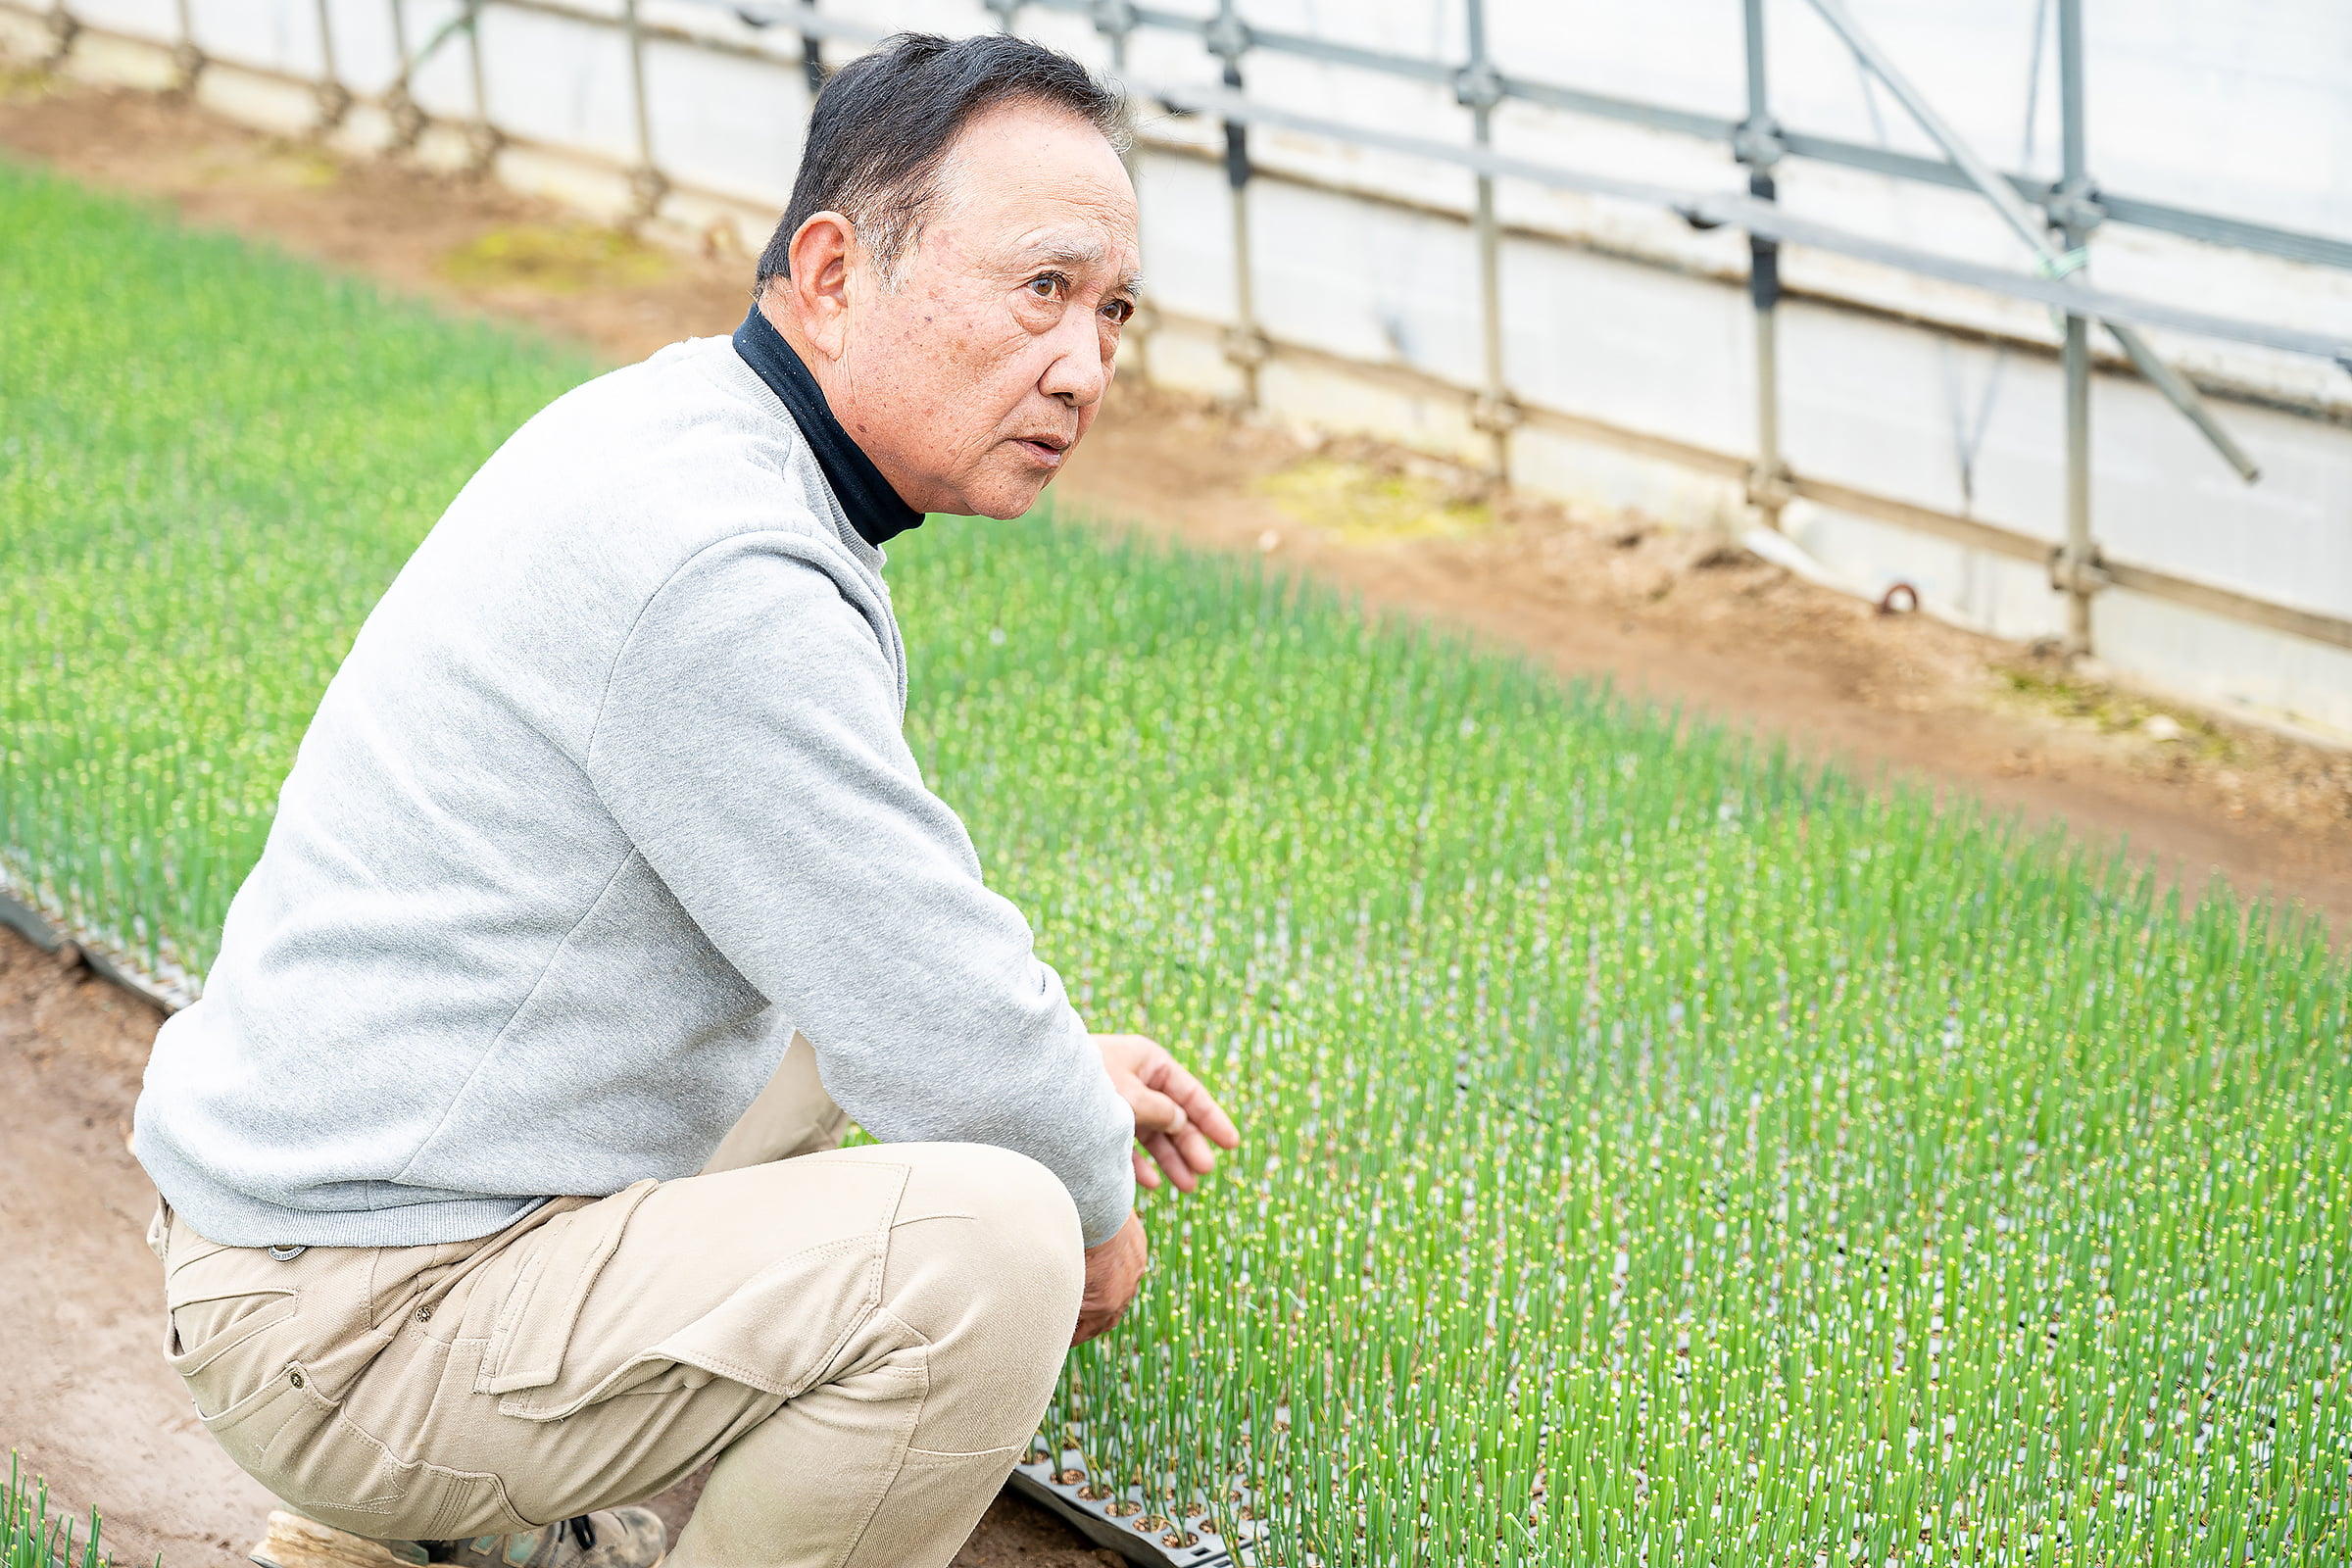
(1685, 620)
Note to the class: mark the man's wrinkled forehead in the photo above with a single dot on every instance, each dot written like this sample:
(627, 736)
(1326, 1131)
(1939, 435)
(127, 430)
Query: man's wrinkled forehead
(1060, 198)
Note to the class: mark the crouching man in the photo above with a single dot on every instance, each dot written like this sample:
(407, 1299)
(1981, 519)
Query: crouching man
(499, 1168)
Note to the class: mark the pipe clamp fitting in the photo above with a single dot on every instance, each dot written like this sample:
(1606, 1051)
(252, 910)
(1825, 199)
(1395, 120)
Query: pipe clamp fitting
(1756, 142)
(1477, 87)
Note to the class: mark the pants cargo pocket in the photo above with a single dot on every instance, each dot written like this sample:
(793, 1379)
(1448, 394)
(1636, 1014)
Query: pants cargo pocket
(219, 1311)
(296, 1441)
(589, 1313)
(198, 1334)
(538, 1309)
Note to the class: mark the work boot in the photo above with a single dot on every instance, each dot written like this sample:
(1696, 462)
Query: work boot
(612, 1538)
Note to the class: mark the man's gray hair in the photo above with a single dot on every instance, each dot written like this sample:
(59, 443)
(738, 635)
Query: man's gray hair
(883, 126)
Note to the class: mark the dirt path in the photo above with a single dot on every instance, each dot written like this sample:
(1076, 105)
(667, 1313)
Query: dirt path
(1675, 617)
(85, 1394)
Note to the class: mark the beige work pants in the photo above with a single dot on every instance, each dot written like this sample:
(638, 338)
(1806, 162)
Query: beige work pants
(863, 1339)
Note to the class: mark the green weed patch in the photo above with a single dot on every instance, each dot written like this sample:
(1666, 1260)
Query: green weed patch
(555, 259)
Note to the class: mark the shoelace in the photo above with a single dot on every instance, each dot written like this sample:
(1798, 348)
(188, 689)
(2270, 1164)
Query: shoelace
(582, 1531)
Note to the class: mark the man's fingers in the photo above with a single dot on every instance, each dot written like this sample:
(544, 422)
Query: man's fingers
(1155, 1112)
(1195, 1148)
(1163, 1148)
(1200, 1105)
(1177, 1121)
(1203, 1111)
(1179, 1143)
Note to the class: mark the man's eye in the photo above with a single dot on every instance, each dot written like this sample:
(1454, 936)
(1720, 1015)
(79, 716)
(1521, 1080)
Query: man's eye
(1045, 286)
(1120, 311)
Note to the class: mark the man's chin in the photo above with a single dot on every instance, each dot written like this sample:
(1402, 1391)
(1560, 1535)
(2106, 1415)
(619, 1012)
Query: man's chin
(1004, 497)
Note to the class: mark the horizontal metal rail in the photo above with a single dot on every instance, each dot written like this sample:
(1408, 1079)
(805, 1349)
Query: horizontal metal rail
(2010, 543)
(1718, 210)
(1775, 223)
(1703, 209)
(2212, 229)
(2292, 244)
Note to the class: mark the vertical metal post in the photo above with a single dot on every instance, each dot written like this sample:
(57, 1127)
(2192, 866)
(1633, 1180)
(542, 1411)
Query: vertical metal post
(1758, 144)
(187, 59)
(1479, 88)
(485, 135)
(63, 26)
(1115, 20)
(400, 105)
(1246, 345)
(647, 185)
(812, 57)
(2078, 557)
(335, 99)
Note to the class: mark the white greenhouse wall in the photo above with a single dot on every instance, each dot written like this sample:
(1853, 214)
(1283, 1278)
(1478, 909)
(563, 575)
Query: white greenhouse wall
(1629, 333)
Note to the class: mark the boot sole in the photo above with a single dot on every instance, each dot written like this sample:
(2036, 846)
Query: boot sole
(289, 1541)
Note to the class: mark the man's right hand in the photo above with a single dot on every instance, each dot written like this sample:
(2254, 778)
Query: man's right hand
(1114, 1271)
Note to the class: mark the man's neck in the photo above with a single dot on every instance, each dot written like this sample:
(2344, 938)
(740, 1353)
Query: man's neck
(870, 499)
(820, 368)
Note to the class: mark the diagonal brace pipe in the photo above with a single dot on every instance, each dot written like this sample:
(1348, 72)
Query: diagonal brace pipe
(2020, 218)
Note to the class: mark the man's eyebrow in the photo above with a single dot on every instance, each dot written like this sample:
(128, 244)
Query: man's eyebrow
(1074, 253)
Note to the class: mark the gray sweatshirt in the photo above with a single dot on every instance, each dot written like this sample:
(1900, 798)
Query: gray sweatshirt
(608, 798)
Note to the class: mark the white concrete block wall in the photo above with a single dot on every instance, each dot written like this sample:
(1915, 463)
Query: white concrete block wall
(1615, 313)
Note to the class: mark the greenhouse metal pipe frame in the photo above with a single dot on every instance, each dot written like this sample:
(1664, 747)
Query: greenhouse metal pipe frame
(2078, 568)
(605, 893)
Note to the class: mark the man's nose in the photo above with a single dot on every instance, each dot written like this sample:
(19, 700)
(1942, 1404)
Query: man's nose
(1077, 374)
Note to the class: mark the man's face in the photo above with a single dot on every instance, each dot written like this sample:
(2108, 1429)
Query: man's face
(971, 376)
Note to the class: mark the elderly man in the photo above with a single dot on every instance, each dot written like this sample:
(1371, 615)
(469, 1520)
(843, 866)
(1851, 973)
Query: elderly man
(499, 1163)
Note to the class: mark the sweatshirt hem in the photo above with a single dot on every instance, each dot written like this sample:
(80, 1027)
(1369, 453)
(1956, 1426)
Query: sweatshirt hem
(231, 1218)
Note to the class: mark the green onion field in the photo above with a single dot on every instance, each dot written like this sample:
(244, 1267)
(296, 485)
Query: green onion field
(31, 1537)
(1656, 1151)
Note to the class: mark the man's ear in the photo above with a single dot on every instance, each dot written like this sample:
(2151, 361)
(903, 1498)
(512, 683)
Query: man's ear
(817, 288)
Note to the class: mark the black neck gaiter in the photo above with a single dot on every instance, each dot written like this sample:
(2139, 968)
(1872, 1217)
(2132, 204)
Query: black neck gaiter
(873, 508)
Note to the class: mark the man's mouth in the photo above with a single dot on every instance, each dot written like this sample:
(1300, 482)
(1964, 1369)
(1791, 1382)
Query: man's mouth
(1044, 450)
